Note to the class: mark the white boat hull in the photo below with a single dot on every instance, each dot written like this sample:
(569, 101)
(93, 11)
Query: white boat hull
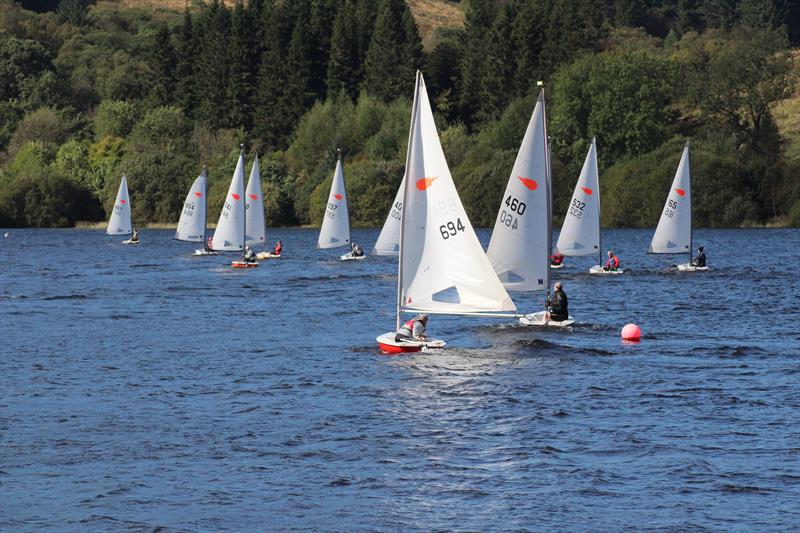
(688, 267)
(389, 344)
(351, 257)
(539, 319)
(204, 252)
(130, 242)
(556, 267)
(597, 269)
(267, 255)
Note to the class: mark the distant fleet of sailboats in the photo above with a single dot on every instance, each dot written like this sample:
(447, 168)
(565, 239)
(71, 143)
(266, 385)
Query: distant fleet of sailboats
(442, 267)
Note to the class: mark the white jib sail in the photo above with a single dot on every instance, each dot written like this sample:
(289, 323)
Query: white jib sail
(519, 250)
(192, 224)
(674, 232)
(444, 268)
(335, 229)
(388, 242)
(120, 221)
(254, 206)
(580, 234)
(229, 235)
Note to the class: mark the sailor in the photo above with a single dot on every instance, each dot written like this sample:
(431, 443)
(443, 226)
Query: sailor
(249, 256)
(135, 236)
(612, 263)
(277, 249)
(356, 250)
(700, 258)
(558, 305)
(556, 259)
(413, 329)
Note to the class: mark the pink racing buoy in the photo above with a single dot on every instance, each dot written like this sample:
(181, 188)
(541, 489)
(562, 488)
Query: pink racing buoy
(631, 332)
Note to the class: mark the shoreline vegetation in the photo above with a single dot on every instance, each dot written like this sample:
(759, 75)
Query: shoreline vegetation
(98, 89)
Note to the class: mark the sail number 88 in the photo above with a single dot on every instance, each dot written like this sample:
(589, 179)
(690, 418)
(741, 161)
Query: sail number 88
(451, 229)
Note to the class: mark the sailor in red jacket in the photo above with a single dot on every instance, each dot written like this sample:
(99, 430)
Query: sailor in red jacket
(613, 261)
(413, 329)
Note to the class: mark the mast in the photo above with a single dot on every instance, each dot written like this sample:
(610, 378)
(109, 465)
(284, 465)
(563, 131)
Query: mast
(691, 228)
(599, 206)
(405, 203)
(205, 207)
(244, 199)
(549, 181)
(344, 186)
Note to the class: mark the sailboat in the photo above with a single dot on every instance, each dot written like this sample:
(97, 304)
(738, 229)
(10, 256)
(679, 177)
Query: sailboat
(388, 242)
(335, 230)
(255, 225)
(580, 235)
(519, 250)
(120, 221)
(230, 233)
(674, 232)
(441, 268)
(192, 224)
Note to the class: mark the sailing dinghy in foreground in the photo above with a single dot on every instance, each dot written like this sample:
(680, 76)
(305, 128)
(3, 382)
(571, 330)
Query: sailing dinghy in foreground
(519, 250)
(441, 268)
(674, 232)
(230, 233)
(120, 221)
(580, 235)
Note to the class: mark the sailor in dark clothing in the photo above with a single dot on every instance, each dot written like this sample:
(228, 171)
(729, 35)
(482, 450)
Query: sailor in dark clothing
(356, 250)
(249, 255)
(700, 259)
(559, 306)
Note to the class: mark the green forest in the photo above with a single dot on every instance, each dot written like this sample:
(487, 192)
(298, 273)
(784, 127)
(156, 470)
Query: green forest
(90, 91)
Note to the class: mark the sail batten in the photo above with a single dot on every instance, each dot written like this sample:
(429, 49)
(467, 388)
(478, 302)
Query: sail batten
(192, 224)
(229, 235)
(335, 230)
(443, 267)
(674, 232)
(120, 221)
(580, 234)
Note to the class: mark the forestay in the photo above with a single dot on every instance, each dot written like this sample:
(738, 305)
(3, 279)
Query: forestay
(254, 207)
(388, 242)
(229, 235)
(580, 234)
(192, 224)
(519, 250)
(120, 221)
(674, 232)
(443, 268)
(335, 229)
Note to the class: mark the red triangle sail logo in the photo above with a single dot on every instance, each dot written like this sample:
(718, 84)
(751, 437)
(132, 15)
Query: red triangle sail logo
(529, 183)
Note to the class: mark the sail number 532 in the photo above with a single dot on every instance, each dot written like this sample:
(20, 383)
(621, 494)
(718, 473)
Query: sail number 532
(451, 229)
(576, 209)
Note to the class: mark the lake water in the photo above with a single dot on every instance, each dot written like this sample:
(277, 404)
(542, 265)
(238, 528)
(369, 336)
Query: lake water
(142, 389)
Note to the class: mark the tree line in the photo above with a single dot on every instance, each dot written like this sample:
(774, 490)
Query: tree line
(93, 91)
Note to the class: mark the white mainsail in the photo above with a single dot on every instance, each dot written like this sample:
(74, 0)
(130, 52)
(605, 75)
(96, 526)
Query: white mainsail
(254, 207)
(120, 221)
(192, 224)
(580, 234)
(519, 250)
(443, 268)
(674, 232)
(388, 242)
(335, 229)
(229, 235)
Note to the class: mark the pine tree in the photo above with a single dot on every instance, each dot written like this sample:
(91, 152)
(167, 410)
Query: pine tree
(320, 29)
(527, 36)
(162, 61)
(499, 71)
(240, 84)
(211, 75)
(390, 63)
(343, 67)
(477, 22)
(184, 65)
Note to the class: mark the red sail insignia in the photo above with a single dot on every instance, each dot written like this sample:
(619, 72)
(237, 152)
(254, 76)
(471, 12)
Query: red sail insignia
(529, 183)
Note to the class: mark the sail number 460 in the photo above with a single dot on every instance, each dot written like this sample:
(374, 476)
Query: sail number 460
(507, 218)
(451, 229)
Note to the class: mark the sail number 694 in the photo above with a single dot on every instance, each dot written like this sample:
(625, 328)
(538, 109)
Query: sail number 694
(451, 229)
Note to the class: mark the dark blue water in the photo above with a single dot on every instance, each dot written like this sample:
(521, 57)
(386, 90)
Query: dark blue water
(143, 388)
